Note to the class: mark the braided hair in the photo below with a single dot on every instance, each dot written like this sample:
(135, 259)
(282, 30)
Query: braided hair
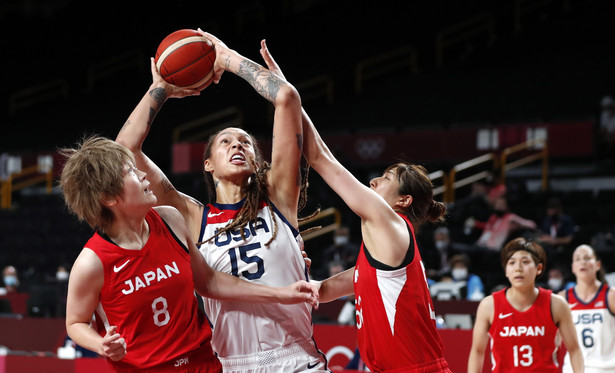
(255, 191)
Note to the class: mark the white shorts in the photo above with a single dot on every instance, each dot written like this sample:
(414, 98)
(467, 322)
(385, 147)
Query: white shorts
(298, 357)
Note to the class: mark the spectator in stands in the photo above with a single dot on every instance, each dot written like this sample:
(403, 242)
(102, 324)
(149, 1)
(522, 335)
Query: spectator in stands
(342, 250)
(501, 226)
(436, 256)
(460, 272)
(11, 279)
(475, 207)
(498, 228)
(606, 136)
(62, 274)
(335, 267)
(557, 279)
(557, 230)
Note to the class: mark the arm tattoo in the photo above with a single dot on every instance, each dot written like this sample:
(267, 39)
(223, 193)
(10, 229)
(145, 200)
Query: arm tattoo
(300, 141)
(264, 82)
(126, 125)
(152, 115)
(166, 185)
(159, 95)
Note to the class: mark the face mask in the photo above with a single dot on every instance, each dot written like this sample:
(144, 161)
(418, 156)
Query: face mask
(441, 245)
(11, 280)
(61, 276)
(459, 274)
(555, 283)
(340, 240)
(500, 213)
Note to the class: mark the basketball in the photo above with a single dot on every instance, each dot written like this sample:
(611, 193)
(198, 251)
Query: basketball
(186, 59)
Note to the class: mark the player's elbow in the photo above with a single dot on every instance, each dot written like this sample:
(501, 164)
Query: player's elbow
(288, 97)
(130, 145)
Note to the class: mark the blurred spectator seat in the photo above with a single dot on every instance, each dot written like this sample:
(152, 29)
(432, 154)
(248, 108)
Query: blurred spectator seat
(447, 290)
(32, 334)
(43, 301)
(5, 307)
(444, 307)
(17, 302)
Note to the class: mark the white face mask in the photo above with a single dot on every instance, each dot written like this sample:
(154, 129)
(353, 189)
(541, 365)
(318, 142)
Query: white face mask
(11, 280)
(441, 245)
(340, 240)
(555, 283)
(459, 274)
(61, 275)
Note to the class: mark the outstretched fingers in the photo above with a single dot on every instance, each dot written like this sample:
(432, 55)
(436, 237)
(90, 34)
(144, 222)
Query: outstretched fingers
(222, 55)
(269, 61)
(171, 89)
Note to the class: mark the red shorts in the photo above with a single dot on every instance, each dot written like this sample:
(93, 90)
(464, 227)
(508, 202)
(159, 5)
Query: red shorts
(201, 360)
(436, 366)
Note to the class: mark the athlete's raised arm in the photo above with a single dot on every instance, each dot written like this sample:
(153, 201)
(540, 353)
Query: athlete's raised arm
(133, 135)
(381, 226)
(283, 182)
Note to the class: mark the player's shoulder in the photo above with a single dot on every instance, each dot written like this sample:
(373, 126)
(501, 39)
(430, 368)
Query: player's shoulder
(88, 264)
(485, 310)
(486, 304)
(167, 213)
(559, 304)
(172, 217)
(558, 298)
(488, 300)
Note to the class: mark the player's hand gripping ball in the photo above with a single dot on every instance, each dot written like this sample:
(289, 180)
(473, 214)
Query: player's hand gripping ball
(186, 59)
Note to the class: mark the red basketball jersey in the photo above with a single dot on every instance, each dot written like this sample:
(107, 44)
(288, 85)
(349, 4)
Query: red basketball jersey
(523, 341)
(396, 327)
(149, 295)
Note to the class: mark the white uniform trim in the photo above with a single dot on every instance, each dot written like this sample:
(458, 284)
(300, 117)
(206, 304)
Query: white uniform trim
(241, 330)
(391, 283)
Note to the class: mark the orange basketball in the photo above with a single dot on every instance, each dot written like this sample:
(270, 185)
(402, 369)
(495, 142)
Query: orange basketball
(186, 59)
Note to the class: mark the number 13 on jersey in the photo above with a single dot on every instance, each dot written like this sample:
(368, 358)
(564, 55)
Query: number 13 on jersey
(522, 355)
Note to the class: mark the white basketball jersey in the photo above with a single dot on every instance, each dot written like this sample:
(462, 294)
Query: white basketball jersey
(241, 328)
(595, 325)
